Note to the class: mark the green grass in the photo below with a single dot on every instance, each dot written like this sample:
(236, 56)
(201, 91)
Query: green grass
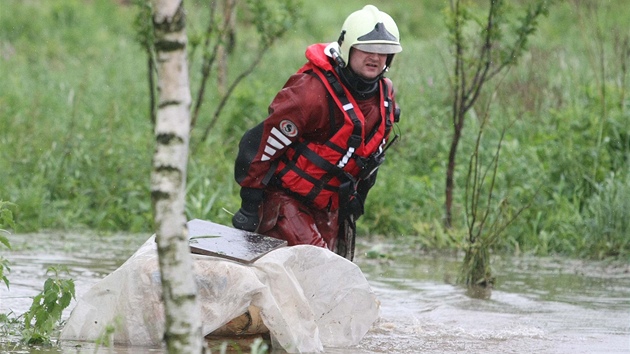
(77, 140)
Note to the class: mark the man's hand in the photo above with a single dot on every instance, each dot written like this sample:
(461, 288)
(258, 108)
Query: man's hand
(245, 220)
(355, 207)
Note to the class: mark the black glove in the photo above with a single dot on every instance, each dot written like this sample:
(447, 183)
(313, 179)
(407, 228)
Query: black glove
(355, 207)
(246, 218)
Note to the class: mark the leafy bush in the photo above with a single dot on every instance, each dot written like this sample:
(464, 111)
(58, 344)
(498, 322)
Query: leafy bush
(44, 315)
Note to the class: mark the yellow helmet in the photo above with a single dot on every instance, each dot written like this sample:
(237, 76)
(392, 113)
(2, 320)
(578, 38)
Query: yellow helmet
(369, 30)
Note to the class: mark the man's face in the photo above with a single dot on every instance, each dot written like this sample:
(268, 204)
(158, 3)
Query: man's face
(367, 65)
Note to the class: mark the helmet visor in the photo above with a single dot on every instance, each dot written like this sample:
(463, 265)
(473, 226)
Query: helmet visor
(380, 48)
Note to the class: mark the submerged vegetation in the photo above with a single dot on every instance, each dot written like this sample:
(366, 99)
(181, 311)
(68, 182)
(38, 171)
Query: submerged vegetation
(77, 140)
(43, 318)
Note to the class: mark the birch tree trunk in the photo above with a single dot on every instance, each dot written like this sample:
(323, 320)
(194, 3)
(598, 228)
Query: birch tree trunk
(168, 180)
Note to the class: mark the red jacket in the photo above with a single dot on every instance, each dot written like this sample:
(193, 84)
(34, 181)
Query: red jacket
(306, 117)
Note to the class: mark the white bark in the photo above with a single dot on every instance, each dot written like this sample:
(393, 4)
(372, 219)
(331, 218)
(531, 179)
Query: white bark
(168, 180)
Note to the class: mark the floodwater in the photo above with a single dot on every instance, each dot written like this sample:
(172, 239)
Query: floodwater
(539, 305)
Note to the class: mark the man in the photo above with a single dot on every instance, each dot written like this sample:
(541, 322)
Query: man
(306, 170)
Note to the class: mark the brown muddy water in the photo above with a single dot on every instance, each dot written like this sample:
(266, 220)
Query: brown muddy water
(539, 305)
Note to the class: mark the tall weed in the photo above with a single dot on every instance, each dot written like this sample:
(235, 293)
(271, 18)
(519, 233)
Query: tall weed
(606, 223)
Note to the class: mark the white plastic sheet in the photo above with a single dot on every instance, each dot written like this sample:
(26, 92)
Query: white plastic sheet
(309, 297)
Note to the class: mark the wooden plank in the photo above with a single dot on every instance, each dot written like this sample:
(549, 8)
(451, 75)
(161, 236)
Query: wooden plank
(211, 239)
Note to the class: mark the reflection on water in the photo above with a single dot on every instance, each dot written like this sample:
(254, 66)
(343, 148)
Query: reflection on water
(542, 305)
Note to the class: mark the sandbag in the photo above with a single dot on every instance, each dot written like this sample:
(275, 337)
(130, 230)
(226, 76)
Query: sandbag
(309, 298)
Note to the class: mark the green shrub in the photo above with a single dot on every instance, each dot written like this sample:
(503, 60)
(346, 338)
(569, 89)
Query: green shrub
(44, 316)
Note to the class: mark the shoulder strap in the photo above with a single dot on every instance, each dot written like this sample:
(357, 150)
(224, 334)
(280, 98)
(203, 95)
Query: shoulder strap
(354, 141)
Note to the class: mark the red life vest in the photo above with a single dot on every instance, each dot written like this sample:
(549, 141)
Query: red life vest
(315, 171)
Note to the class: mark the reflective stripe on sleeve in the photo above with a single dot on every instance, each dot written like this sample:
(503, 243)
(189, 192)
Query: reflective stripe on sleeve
(278, 134)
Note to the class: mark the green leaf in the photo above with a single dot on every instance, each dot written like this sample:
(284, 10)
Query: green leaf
(65, 299)
(4, 240)
(205, 236)
(47, 285)
(47, 309)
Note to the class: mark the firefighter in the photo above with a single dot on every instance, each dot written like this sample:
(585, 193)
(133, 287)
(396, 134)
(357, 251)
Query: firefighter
(306, 170)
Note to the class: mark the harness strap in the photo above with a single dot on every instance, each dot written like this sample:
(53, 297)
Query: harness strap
(354, 141)
(388, 103)
(389, 106)
(348, 183)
